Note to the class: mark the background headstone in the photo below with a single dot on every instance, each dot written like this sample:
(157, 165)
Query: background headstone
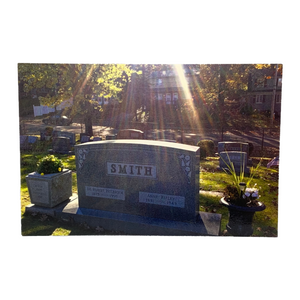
(110, 137)
(84, 138)
(233, 146)
(97, 139)
(23, 142)
(238, 158)
(61, 145)
(70, 135)
(130, 134)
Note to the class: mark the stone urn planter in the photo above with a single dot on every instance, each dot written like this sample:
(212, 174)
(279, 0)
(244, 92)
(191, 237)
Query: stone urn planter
(51, 189)
(51, 184)
(241, 217)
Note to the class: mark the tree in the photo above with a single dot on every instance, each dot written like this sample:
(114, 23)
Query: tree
(81, 82)
(139, 96)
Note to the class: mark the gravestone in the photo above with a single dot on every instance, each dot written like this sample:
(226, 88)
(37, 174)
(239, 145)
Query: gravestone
(32, 139)
(141, 187)
(26, 141)
(23, 142)
(238, 158)
(70, 135)
(233, 146)
(96, 139)
(130, 134)
(61, 145)
(110, 137)
(84, 138)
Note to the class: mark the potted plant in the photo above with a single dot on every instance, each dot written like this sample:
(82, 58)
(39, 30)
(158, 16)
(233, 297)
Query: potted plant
(51, 184)
(242, 201)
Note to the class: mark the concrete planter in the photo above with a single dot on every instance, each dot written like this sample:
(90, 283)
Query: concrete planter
(51, 189)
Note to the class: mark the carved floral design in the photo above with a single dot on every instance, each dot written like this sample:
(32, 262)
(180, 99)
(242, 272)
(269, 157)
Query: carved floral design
(186, 166)
(81, 157)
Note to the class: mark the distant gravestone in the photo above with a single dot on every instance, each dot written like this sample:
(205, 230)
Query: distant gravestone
(97, 139)
(32, 139)
(130, 134)
(23, 142)
(233, 146)
(110, 137)
(142, 185)
(70, 135)
(238, 158)
(26, 141)
(84, 138)
(61, 145)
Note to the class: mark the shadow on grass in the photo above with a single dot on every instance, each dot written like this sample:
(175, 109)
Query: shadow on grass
(42, 225)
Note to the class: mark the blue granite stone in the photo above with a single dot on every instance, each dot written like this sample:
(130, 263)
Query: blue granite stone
(139, 177)
(70, 135)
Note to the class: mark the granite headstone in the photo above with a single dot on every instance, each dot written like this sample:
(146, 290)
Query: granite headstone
(130, 134)
(233, 146)
(146, 178)
(238, 158)
(61, 145)
(67, 134)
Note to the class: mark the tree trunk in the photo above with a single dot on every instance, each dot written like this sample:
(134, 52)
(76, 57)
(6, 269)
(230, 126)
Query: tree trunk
(273, 96)
(88, 125)
(221, 97)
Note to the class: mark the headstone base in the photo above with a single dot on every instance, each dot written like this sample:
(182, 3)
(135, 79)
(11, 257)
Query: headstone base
(207, 224)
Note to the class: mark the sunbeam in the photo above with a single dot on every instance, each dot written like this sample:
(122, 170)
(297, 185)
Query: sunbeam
(187, 97)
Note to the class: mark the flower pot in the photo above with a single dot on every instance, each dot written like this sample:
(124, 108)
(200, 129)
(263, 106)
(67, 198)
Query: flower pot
(240, 218)
(51, 189)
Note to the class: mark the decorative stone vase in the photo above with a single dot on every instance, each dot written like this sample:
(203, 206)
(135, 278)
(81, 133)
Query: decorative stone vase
(51, 189)
(240, 218)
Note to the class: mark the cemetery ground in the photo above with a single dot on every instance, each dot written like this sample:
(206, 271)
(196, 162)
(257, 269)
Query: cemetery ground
(212, 184)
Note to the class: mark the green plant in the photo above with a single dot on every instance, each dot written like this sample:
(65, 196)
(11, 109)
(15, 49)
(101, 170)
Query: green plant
(49, 164)
(240, 192)
(207, 148)
(48, 131)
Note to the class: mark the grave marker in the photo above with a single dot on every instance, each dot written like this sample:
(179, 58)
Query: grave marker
(61, 145)
(70, 135)
(238, 158)
(23, 142)
(26, 141)
(233, 146)
(130, 134)
(151, 176)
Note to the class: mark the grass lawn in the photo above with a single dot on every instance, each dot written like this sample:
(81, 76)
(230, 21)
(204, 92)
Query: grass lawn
(211, 179)
(265, 222)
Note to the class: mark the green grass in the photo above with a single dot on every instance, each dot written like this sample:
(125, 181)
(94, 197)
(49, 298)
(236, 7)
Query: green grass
(211, 179)
(264, 223)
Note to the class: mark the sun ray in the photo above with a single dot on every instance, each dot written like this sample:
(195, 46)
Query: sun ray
(187, 97)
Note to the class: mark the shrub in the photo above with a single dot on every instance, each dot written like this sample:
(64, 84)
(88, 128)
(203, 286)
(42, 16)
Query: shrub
(207, 148)
(48, 131)
(247, 110)
(49, 164)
